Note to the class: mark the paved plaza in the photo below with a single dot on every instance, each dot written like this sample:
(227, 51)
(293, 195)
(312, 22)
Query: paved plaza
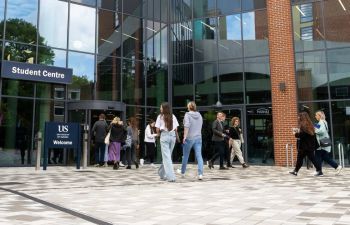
(257, 195)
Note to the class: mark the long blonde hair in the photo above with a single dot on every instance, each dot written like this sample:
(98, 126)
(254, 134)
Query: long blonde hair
(116, 120)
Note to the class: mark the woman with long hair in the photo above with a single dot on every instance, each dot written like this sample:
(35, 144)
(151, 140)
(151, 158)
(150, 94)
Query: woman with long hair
(235, 142)
(307, 143)
(166, 125)
(118, 136)
(150, 140)
(322, 153)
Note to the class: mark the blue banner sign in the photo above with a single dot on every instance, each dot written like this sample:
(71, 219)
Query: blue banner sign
(36, 72)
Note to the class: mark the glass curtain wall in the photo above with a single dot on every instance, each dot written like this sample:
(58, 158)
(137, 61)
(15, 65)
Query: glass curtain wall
(322, 46)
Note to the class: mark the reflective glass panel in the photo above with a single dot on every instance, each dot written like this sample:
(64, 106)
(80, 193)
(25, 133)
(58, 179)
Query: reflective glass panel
(52, 57)
(108, 78)
(339, 72)
(205, 46)
(157, 83)
(255, 34)
(311, 74)
(2, 15)
(17, 88)
(16, 132)
(21, 25)
(164, 10)
(337, 22)
(132, 37)
(204, 8)
(230, 37)
(83, 76)
(253, 4)
(231, 81)
(308, 26)
(53, 21)
(226, 7)
(109, 33)
(134, 7)
(86, 2)
(115, 5)
(133, 82)
(206, 83)
(181, 10)
(258, 83)
(82, 31)
(19, 53)
(181, 42)
(182, 84)
(164, 44)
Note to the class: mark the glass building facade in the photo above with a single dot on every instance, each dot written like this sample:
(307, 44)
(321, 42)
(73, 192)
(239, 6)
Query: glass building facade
(128, 56)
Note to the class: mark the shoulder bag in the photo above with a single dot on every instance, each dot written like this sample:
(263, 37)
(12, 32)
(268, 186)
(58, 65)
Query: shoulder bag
(325, 142)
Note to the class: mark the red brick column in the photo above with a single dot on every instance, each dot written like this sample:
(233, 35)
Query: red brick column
(284, 102)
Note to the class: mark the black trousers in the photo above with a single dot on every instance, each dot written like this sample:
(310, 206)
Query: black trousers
(151, 150)
(131, 155)
(219, 147)
(227, 154)
(311, 156)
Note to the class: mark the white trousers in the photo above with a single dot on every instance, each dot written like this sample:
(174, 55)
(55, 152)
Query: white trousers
(236, 150)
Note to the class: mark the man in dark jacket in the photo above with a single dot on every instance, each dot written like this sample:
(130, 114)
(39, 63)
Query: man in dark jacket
(99, 130)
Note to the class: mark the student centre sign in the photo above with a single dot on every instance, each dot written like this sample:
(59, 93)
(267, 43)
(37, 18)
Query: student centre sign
(35, 72)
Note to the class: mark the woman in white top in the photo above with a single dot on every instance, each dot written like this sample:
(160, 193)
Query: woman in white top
(150, 141)
(166, 125)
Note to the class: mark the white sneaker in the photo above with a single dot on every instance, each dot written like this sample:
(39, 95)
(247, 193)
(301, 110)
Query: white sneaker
(121, 164)
(142, 162)
(178, 171)
(200, 177)
(338, 170)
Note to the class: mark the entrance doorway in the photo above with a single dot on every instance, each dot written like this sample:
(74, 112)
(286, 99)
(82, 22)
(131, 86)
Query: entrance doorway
(87, 113)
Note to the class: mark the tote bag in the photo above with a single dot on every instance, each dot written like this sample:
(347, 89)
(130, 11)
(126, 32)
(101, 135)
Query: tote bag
(107, 138)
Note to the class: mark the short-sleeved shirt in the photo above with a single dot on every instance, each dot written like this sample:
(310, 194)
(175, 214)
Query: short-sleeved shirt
(161, 124)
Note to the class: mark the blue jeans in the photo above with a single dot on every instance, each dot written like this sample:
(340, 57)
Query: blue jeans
(186, 149)
(167, 143)
(100, 152)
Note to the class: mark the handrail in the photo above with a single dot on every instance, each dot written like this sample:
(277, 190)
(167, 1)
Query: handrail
(289, 147)
(341, 154)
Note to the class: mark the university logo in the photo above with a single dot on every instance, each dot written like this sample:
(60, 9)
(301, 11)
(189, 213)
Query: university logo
(62, 128)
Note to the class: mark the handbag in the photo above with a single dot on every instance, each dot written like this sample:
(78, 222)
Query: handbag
(107, 138)
(325, 142)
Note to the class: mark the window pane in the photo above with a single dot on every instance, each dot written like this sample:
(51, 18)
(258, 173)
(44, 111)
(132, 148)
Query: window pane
(157, 83)
(86, 2)
(204, 8)
(164, 44)
(108, 78)
(253, 4)
(133, 82)
(205, 39)
(231, 82)
(134, 7)
(2, 15)
(181, 10)
(258, 83)
(132, 37)
(82, 31)
(115, 5)
(181, 42)
(182, 84)
(230, 37)
(339, 72)
(255, 34)
(226, 7)
(83, 76)
(17, 88)
(21, 25)
(206, 89)
(337, 22)
(52, 57)
(308, 27)
(53, 23)
(109, 33)
(311, 75)
(19, 53)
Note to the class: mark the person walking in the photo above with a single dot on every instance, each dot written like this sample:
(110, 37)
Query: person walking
(150, 141)
(99, 132)
(218, 139)
(322, 152)
(166, 125)
(117, 137)
(131, 145)
(235, 142)
(307, 143)
(193, 122)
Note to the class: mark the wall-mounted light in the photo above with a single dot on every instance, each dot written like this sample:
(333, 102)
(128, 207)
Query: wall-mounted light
(282, 86)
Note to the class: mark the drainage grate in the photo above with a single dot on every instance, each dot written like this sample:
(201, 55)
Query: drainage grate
(219, 178)
(85, 171)
(9, 183)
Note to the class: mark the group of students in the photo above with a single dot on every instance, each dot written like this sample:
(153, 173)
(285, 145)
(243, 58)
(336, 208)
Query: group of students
(310, 145)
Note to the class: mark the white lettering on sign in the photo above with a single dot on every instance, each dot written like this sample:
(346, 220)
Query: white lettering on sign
(39, 73)
(262, 111)
(57, 142)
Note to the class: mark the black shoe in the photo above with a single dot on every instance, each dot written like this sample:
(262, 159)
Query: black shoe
(128, 167)
(223, 168)
(232, 166)
(318, 174)
(210, 164)
(137, 165)
(244, 165)
(293, 173)
(116, 166)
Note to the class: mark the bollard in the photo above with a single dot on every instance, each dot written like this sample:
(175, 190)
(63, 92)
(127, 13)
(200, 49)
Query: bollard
(38, 151)
(85, 150)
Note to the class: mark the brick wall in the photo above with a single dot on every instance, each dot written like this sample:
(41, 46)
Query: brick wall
(284, 103)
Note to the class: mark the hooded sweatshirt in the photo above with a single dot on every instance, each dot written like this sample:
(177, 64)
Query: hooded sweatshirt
(193, 121)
